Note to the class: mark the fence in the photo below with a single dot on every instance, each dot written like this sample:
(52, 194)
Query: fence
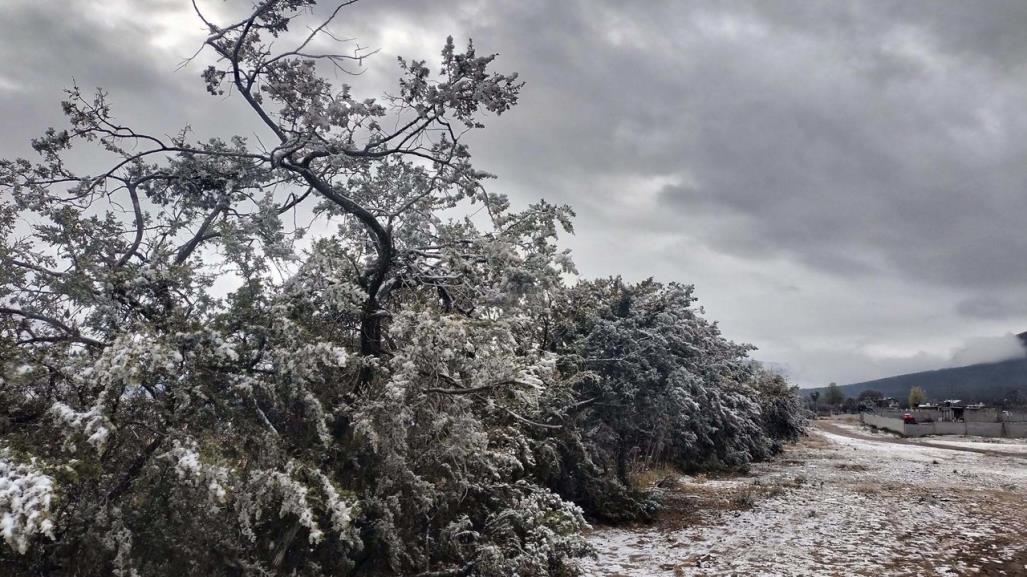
(1012, 429)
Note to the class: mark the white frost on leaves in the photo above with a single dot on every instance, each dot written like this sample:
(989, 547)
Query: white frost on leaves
(538, 373)
(190, 468)
(126, 362)
(95, 426)
(303, 364)
(296, 498)
(304, 361)
(26, 495)
(459, 353)
(223, 349)
(118, 539)
(339, 511)
(132, 355)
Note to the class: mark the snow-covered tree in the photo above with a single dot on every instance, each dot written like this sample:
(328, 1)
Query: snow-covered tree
(353, 407)
(391, 389)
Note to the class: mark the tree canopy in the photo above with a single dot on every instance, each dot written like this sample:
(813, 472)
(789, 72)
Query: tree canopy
(917, 395)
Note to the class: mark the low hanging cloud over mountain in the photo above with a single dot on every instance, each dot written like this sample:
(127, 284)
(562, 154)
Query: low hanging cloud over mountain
(844, 182)
(989, 350)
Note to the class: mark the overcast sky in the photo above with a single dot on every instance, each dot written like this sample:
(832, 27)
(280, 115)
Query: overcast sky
(844, 182)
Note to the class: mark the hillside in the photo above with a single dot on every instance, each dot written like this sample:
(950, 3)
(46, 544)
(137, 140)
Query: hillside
(985, 382)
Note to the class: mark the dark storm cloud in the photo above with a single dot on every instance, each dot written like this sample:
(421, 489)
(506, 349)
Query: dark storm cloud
(841, 144)
(867, 139)
(844, 182)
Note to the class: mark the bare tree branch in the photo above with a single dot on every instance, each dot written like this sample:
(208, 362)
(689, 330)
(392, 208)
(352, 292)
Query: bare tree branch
(70, 333)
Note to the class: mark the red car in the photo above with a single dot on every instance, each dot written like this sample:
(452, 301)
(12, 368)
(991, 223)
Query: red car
(908, 418)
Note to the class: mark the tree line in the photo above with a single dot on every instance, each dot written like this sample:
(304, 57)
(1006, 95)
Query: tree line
(834, 399)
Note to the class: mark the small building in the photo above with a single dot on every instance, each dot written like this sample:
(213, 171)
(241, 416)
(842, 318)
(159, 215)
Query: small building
(888, 403)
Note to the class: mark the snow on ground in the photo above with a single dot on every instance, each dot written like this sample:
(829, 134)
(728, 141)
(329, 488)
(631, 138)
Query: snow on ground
(1014, 446)
(857, 427)
(834, 505)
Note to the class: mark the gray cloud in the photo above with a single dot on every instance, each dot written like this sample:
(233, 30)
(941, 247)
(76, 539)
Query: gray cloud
(844, 182)
(991, 307)
(861, 366)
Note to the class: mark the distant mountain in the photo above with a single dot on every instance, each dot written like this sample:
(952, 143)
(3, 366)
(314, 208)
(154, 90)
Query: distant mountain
(989, 383)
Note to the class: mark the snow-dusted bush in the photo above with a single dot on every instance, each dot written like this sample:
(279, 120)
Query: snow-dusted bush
(658, 384)
(785, 415)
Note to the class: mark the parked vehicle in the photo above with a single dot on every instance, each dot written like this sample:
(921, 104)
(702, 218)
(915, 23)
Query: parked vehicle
(908, 419)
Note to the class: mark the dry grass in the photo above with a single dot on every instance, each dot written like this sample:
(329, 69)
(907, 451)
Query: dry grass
(815, 442)
(695, 499)
(653, 476)
(743, 500)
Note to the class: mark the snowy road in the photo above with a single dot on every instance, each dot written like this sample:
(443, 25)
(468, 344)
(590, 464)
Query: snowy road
(837, 505)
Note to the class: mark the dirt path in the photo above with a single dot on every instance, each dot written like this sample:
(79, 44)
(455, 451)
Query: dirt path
(835, 429)
(838, 503)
